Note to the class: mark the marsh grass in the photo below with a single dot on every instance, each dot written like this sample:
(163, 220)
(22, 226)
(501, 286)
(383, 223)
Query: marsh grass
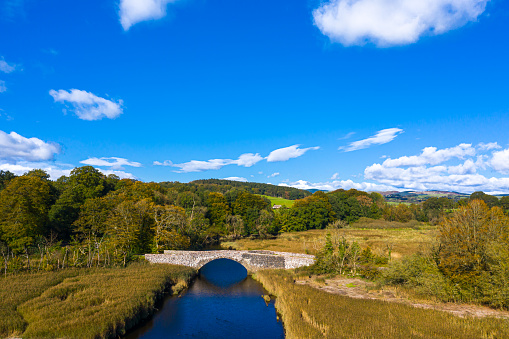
(310, 313)
(16, 290)
(88, 303)
(402, 240)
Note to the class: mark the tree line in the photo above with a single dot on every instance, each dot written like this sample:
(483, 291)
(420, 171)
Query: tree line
(89, 219)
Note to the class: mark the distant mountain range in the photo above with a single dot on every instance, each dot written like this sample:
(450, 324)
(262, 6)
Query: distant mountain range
(419, 196)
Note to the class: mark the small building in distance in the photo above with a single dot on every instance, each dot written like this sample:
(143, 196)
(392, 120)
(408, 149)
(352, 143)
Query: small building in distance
(276, 207)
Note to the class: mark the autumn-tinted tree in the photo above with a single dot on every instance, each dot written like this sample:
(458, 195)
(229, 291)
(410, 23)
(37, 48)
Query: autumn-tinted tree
(83, 183)
(24, 206)
(466, 239)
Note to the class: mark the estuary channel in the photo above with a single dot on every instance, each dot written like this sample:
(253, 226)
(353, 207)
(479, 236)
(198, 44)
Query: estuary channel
(223, 302)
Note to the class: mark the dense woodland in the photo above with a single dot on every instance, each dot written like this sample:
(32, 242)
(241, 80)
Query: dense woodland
(89, 219)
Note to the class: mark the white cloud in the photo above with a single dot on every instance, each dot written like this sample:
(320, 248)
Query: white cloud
(488, 146)
(429, 171)
(134, 11)
(500, 161)
(112, 162)
(245, 160)
(334, 185)
(335, 176)
(248, 159)
(88, 106)
(432, 156)
(23, 167)
(120, 174)
(164, 163)
(236, 179)
(273, 175)
(15, 146)
(3, 88)
(5, 67)
(390, 22)
(287, 153)
(381, 137)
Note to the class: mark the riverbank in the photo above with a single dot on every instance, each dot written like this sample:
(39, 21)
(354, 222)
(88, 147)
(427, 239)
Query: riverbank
(85, 303)
(308, 312)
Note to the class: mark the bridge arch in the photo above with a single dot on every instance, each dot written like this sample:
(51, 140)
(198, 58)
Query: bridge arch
(251, 260)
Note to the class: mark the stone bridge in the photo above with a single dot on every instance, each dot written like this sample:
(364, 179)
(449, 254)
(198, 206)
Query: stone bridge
(251, 260)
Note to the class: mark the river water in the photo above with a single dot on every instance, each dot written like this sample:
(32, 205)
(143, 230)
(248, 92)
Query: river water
(223, 302)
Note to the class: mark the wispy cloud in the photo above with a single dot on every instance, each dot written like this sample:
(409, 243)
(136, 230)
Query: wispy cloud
(6, 67)
(3, 88)
(389, 22)
(381, 137)
(488, 146)
(273, 175)
(347, 136)
(16, 147)
(134, 11)
(164, 163)
(236, 179)
(88, 106)
(287, 153)
(335, 176)
(113, 162)
(245, 160)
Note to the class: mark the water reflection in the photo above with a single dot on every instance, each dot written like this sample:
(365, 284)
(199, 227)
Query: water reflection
(222, 303)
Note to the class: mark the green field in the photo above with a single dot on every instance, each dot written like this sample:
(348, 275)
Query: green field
(279, 201)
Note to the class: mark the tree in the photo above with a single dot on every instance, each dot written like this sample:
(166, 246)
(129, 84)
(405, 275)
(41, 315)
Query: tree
(24, 206)
(84, 183)
(466, 239)
(5, 177)
(171, 231)
(129, 227)
(490, 200)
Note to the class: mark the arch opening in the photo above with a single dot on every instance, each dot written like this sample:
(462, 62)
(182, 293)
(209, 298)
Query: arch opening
(223, 272)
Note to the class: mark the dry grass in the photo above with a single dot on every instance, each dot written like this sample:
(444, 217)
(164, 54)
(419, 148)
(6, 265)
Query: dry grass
(403, 241)
(87, 303)
(311, 313)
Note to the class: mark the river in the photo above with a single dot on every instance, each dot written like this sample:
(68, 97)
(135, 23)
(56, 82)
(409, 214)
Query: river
(222, 302)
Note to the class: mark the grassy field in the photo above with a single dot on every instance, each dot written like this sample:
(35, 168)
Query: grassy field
(85, 303)
(279, 201)
(310, 313)
(403, 238)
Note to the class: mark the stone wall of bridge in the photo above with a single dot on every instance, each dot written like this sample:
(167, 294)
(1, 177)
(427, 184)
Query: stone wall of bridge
(251, 260)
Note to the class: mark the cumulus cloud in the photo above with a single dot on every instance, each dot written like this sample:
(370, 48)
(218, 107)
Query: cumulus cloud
(389, 22)
(5, 67)
(88, 106)
(245, 160)
(113, 162)
(236, 179)
(287, 153)
(431, 170)
(134, 11)
(500, 161)
(3, 88)
(16, 147)
(23, 167)
(381, 137)
(488, 146)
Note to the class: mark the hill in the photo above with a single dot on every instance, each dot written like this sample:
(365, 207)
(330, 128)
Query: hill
(285, 192)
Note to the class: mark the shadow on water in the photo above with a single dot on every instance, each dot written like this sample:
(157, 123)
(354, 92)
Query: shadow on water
(223, 302)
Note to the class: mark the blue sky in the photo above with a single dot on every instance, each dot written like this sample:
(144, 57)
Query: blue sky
(369, 94)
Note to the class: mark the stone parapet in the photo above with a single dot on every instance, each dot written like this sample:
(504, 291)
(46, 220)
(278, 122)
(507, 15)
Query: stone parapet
(251, 260)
